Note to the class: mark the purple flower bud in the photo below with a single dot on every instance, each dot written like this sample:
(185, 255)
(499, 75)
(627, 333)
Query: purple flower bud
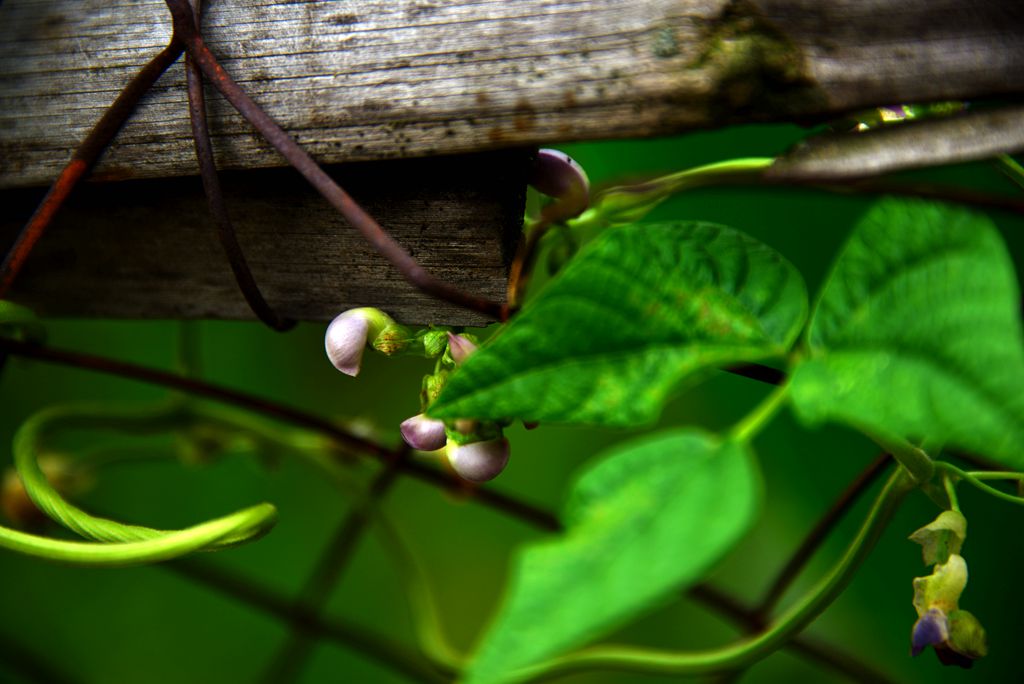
(345, 340)
(931, 629)
(460, 348)
(556, 174)
(425, 434)
(479, 461)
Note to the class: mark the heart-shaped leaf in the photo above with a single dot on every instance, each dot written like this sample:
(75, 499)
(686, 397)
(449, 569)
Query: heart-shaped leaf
(644, 522)
(638, 310)
(918, 333)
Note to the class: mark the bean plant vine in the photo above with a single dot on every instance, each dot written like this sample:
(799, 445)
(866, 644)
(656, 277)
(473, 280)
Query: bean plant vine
(608, 316)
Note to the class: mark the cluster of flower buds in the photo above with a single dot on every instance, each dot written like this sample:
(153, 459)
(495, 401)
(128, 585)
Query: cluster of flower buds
(476, 451)
(956, 635)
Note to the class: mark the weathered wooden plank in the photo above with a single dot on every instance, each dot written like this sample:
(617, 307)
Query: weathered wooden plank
(945, 140)
(374, 79)
(147, 248)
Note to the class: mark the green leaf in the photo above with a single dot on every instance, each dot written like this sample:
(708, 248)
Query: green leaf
(638, 310)
(918, 334)
(647, 520)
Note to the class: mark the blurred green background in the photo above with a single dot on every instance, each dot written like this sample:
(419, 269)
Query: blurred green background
(151, 624)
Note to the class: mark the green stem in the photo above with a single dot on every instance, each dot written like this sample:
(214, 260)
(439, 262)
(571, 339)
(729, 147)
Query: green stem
(950, 487)
(916, 461)
(628, 203)
(253, 521)
(975, 478)
(1011, 168)
(747, 651)
(120, 544)
(761, 416)
(430, 633)
(995, 475)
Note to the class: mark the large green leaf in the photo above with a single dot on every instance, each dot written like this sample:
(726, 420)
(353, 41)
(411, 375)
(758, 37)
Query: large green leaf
(644, 522)
(918, 333)
(639, 309)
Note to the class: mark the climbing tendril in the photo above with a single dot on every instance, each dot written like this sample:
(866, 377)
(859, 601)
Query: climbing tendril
(116, 543)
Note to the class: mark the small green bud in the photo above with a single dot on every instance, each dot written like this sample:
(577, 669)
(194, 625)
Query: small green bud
(393, 339)
(434, 343)
(432, 386)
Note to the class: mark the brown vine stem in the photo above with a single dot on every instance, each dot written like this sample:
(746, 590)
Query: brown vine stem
(522, 265)
(821, 530)
(293, 654)
(215, 198)
(416, 275)
(812, 649)
(238, 587)
(518, 509)
(389, 653)
(83, 159)
(529, 247)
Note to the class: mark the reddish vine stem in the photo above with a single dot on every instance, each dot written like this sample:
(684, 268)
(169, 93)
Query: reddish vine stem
(287, 664)
(82, 161)
(238, 587)
(387, 652)
(215, 198)
(522, 263)
(527, 252)
(818, 651)
(488, 497)
(821, 530)
(367, 226)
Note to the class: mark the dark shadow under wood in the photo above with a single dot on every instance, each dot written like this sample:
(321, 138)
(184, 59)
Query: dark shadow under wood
(147, 249)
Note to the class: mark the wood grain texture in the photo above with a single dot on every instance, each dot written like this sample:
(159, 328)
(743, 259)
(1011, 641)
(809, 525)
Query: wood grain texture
(953, 139)
(148, 249)
(380, 79)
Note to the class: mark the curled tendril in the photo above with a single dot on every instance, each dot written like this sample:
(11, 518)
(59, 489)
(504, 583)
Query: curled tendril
(116, 543)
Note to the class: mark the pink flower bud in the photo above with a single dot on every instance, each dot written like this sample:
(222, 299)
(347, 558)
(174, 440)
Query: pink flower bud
(460, 348)
(345, 340)
(425, 434)
(479, 461)
(557, 175)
